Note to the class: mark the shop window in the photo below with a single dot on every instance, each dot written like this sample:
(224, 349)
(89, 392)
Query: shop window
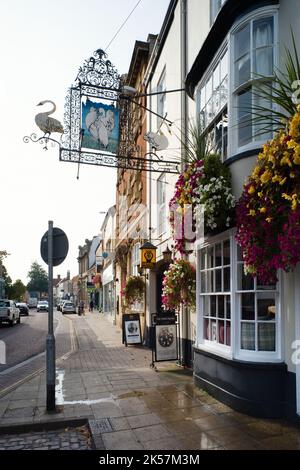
(215, 272)
(258, 312)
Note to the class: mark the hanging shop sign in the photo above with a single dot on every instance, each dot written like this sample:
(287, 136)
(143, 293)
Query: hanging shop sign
(132, 329)
(148, 255)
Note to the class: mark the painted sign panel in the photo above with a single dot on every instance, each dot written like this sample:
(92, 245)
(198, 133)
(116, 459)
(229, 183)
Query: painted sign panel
(166, 343)
(100, 123)
(148, 258)
(131, 329)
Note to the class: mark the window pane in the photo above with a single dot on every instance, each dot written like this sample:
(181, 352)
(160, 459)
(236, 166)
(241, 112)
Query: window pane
(228, 306)
(248, 309)
(226, 279)
(242, 70)
(213, 331)
(218, 280)
(206, 306)
(210, 257)
(263, 32)
(210, 281)
(220, 306)
(266, 306)
(226, 252)
(244, 104)
(266, 337)
(248, 336)
(213, 306)
(263, 61)
(224, 66)
(264, 107)
(221, 326)
(203, 281)
(244, 281)
(228, 334)
(206, 329)
(218, 253)
(242, 42)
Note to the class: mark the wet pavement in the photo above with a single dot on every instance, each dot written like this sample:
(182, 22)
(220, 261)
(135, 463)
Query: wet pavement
(131, 406)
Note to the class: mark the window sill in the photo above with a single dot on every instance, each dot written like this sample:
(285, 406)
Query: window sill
(215, 349)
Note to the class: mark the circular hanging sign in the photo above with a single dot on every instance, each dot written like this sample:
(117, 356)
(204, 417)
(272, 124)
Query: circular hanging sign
(60, 246)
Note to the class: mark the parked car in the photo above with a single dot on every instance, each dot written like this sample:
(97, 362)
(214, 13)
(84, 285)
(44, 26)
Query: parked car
(32, 302)
(24, 309)
(42, 305)
(68, 307)
(9, 312)
(60, 305)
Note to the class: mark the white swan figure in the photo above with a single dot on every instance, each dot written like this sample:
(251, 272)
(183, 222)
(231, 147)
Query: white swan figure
(90, 117)
(46, 123)
(102, 133)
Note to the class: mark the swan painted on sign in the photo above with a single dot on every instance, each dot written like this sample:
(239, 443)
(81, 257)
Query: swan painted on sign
(48, 124)
(100, 124)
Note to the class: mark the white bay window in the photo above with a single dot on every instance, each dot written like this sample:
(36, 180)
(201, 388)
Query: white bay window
(253, 58)
(237, 316)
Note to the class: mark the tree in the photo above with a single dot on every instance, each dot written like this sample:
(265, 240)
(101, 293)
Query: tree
(17, 290)
(38, 279)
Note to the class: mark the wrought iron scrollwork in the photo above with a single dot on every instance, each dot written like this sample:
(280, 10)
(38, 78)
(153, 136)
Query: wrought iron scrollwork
(153, 164)
(97, 73)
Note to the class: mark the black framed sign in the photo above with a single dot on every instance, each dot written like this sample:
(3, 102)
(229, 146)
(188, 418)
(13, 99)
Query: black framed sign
(132, 329)
(166, 347)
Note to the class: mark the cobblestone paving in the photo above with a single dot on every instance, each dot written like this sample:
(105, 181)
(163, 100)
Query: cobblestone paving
(62, 439)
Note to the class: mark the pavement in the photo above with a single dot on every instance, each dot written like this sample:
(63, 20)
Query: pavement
(125, 405)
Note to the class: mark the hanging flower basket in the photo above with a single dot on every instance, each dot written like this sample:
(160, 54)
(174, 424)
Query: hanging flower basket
(134, 289)
(204, 182)
(179, 285)
(268, 213)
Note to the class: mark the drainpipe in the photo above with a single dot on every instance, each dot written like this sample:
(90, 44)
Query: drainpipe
(184, 144)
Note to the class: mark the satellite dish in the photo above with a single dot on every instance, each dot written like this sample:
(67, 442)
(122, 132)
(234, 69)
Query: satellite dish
(157, 141)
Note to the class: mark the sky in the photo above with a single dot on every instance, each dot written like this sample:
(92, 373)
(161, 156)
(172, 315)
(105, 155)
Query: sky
(42, 45)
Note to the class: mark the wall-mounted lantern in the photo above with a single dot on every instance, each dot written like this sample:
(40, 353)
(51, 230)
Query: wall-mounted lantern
(167, 255)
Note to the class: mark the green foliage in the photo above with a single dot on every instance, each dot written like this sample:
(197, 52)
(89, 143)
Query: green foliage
(38, 279)
(134, 289)
(17, 290)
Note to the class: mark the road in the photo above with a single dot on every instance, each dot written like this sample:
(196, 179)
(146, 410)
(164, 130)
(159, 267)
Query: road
(26, 339)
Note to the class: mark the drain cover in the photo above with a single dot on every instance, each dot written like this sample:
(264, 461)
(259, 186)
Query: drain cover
(101, 425)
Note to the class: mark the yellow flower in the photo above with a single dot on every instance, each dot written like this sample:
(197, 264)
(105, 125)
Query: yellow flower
(281, 182)
(265, 177)
(269, 219)
(263, 210)
(252, 213)
(294, 202)
(251, 190)
(292, 144)
(260, 194)
(286, 159)
(286, 196)
(292, 174)
(296, 159)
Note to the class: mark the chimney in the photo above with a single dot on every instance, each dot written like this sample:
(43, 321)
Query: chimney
(58, 277)
(68, 275)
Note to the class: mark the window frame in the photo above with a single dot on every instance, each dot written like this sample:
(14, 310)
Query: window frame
(234, 351)
(224, 109)
(233, 147)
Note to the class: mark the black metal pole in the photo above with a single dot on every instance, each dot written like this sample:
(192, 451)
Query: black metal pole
(50, 341)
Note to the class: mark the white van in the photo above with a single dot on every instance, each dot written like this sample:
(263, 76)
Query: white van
(32, 302)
